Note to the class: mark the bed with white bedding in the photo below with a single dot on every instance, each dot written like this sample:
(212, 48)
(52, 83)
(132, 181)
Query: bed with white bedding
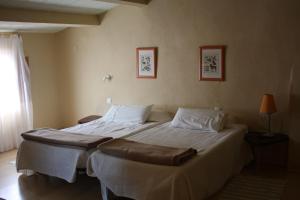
(220, 155)
(62, 161)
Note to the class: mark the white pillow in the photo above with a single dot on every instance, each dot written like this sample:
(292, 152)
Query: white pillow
(201, 119)
(128, 114)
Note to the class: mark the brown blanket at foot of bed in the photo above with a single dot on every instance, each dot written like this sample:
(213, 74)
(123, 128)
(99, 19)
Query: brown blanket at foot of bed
(147, 153)
(53, 136)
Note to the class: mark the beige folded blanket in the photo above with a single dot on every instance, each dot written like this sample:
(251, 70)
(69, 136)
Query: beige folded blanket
(53, 136)
(147, 153)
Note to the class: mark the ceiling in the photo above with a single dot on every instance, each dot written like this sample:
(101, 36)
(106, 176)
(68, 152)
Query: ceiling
(73, 7)
(31, 15)
(66, 6)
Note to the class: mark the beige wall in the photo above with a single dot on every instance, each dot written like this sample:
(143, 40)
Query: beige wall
(40, 48)
(260, 39)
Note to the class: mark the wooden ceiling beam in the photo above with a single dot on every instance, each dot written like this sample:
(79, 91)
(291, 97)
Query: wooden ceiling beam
(37, 16)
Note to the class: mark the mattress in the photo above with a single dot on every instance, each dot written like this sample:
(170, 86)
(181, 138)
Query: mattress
(62, 161)
(220, 155)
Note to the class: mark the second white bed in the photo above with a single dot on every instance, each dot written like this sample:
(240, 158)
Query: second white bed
(220, 155)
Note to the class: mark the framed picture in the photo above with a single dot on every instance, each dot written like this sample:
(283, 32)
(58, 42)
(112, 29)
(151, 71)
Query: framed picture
(146, 62)
(212, 63)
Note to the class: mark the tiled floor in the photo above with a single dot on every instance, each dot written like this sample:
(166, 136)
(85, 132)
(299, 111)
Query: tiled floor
(14, 186)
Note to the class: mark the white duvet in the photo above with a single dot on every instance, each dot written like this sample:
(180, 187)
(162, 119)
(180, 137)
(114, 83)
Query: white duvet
(166, 135)
(61, 161)
(219, 156)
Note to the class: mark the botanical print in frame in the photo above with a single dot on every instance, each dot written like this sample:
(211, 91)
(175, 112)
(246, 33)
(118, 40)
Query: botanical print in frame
(212, 63)
(146, 62)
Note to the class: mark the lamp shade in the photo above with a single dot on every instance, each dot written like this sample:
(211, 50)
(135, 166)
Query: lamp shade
(268, 104)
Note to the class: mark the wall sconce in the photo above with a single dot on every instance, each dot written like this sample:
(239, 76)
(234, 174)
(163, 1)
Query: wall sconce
(107, 77)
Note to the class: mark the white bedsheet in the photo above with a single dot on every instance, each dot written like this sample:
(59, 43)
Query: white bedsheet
(61, 161)
(109, 129)
(219, 156)
(166, 135)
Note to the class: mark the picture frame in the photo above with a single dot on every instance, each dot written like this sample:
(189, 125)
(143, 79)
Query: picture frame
(212, 63)
(146, 62)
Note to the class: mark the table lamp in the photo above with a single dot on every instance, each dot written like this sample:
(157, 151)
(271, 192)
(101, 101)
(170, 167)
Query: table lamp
(268, 107)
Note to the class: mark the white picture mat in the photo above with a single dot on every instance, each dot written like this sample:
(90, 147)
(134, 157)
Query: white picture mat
(218, 71)
(148, 57)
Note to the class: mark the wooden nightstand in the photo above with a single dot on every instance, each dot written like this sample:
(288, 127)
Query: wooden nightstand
(88, 119)
(268, 151)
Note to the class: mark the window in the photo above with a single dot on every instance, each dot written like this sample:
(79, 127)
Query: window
(9, 91)
(15, 98)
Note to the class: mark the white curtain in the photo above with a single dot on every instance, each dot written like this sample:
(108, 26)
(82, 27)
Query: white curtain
(15, 96)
